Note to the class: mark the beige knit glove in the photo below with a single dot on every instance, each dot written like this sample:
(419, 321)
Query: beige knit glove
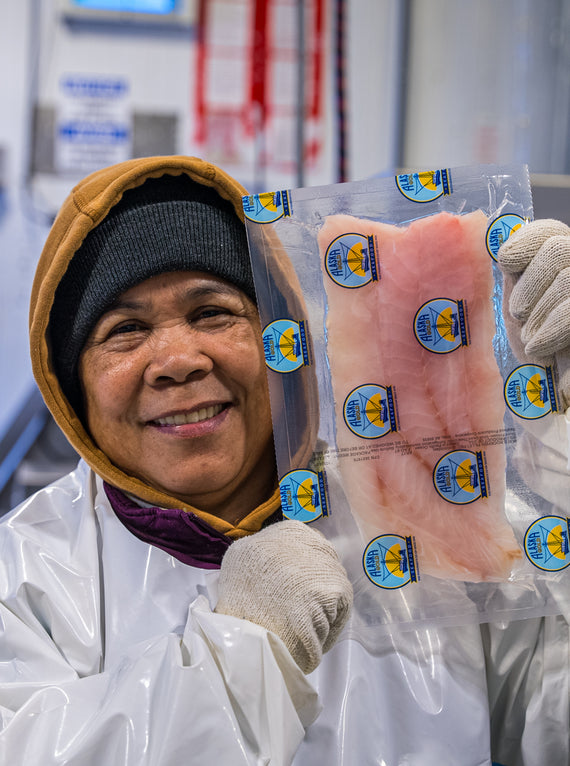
(288, 579)
(536, 263)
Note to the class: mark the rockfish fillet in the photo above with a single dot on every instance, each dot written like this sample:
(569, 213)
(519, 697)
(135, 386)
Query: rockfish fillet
(445, 401)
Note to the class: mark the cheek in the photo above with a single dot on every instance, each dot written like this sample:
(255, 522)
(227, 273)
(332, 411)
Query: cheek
(245, 363)
(106, 389)
(259, 388)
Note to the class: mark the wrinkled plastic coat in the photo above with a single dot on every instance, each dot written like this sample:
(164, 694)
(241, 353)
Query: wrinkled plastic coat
(110, 654)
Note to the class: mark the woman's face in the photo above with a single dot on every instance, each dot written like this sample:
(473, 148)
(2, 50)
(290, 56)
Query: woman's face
(175, 392)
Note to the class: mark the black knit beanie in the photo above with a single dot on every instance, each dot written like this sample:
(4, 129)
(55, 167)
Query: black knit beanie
(167, 224)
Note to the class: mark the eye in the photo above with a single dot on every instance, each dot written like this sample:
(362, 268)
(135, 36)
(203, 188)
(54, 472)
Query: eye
(211, 314)
(124, 328)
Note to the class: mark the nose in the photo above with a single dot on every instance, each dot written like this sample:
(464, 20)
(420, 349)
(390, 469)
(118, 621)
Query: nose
(177, 354)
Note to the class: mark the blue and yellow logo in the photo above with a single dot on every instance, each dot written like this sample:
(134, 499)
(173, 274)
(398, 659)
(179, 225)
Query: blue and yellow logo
(529, 391)
(304, 495)
(425, 186)
(440, 325)
(460, 477)
(267, 207)
(285, 345)
(350, 260)
(369, 411)
(546, 543)
(389, 561)
(500, 230)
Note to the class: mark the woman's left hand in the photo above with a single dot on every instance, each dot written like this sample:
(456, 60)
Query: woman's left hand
(536, 263)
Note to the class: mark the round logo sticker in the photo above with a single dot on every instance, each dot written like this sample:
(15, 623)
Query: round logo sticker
(546, 543)
(369, 411)
(459, 477)
(425, 186)
(267, 207)
(440, 327)
(500, 230)
(388, 561)
(284, 345)
(302, 495)
(528, 391)
(350, 260)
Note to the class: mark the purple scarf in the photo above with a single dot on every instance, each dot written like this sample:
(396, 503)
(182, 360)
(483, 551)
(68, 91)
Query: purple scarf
(182, 534)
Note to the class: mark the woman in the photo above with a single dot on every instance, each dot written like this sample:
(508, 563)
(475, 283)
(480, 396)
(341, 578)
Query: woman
(110, 652)
(147, 346)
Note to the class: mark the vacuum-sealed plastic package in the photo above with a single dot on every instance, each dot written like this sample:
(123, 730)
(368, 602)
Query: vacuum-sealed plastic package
(402, 416)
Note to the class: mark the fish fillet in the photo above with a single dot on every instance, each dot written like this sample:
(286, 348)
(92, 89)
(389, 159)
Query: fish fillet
(445, 402)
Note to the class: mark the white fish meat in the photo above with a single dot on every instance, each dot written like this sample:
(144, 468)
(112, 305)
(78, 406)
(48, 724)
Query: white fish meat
(445, 403)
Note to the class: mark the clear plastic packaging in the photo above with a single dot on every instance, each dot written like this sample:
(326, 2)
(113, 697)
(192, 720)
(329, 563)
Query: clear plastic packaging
(405, 428)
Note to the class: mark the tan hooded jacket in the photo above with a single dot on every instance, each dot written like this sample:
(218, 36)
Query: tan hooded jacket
(87, 205)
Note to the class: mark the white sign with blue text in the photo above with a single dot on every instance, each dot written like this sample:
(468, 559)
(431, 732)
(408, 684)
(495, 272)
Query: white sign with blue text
(93, 122)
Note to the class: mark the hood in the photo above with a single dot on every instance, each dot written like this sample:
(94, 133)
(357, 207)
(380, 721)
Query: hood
(87, 205)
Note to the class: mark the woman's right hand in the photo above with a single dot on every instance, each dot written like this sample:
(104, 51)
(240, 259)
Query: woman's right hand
(288, 579)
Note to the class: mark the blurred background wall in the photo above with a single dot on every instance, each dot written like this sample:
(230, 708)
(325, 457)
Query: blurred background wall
(281, 93)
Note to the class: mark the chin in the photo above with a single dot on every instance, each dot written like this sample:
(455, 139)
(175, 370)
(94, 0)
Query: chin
(191, 493)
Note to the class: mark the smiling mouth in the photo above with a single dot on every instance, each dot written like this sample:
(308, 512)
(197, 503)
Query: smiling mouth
(184, 418)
